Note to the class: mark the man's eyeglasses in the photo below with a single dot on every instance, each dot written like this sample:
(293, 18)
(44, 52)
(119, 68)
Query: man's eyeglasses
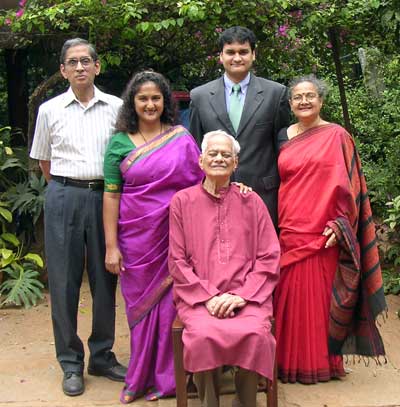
(309, 97)
(73, 62)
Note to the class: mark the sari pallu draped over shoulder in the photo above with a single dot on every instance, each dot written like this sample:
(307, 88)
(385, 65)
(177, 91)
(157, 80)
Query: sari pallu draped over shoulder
(152, 174)
(357, 295)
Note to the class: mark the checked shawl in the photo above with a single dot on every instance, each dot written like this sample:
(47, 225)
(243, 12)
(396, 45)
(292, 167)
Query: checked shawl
(357, 296)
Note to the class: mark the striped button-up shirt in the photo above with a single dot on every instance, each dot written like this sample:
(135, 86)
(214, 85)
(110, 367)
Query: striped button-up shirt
(74, 137)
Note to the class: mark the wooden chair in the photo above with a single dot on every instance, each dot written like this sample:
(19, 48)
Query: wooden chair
(180, 373)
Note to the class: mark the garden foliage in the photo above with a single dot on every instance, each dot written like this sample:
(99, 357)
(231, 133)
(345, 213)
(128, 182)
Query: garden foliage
(392, 273)
(376, 128)
(178, 38)
(19, 269)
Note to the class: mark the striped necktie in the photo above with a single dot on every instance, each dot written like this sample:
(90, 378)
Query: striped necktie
(235, 107)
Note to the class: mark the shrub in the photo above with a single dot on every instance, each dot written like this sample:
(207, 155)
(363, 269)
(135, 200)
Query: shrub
(18, 268)
(375, 121)
(392, 255)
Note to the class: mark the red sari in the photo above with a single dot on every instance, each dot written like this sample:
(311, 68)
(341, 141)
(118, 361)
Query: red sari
(321, 184)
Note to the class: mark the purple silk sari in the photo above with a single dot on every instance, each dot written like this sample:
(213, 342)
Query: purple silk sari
(152, 173)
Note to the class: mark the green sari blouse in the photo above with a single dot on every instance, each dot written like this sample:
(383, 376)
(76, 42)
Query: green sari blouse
(117, 150)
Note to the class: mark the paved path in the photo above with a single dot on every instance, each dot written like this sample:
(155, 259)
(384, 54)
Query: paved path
(30, 376)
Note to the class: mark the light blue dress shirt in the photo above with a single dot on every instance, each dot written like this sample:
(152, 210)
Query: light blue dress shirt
(244, 84)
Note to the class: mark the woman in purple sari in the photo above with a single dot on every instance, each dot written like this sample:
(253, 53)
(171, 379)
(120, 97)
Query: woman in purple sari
(147, 161)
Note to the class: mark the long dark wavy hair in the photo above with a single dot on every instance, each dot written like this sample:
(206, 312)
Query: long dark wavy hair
(127, 120)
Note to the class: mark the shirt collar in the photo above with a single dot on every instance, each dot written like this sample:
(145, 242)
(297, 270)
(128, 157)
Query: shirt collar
(222, 192)
(98, 96)
(243, 84)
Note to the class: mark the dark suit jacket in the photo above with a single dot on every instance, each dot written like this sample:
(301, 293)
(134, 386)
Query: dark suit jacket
(265, 112)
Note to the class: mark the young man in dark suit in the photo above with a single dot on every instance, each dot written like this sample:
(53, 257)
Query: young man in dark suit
(253, 112)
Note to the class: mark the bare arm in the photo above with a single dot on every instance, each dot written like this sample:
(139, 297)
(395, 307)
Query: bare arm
(45, 167)
(113, 260)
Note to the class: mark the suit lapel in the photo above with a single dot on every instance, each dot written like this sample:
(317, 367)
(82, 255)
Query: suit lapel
(254, 98)
(218, 103)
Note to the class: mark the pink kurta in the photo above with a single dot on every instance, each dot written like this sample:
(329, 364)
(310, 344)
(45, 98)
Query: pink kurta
(224, 245)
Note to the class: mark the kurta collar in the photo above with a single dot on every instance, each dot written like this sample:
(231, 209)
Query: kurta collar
(223, 192)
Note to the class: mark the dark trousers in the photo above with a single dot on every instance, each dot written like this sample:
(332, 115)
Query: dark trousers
(73, 232)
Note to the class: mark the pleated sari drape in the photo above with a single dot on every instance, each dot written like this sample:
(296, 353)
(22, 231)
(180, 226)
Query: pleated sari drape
(152, 173)
(327, 300)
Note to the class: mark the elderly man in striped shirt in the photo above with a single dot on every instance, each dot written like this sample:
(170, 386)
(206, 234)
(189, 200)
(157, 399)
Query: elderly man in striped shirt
(71, 135)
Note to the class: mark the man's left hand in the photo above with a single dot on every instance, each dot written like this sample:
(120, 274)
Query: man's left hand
(225, 305)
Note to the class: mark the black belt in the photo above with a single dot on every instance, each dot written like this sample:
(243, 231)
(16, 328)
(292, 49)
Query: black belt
(93, 184)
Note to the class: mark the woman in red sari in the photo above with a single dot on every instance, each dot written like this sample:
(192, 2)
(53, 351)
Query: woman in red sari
(330, 291)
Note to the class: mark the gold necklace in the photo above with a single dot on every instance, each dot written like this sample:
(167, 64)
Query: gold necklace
(144, 138)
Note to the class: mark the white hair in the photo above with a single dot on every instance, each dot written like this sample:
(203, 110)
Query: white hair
(211, 134)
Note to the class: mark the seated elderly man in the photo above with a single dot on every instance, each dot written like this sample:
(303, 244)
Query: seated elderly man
(224, 259)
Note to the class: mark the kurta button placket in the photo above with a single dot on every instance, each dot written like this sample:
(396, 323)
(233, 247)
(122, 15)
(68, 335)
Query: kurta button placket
(223, 235)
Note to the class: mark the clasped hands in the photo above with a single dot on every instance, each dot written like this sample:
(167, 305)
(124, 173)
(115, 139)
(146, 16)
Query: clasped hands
(224, 305)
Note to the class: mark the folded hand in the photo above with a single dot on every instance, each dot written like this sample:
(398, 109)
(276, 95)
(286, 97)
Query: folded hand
(332, 240)
(224, 305)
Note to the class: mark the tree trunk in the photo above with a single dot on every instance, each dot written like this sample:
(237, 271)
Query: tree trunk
(336, 57)
(8, 4)
(17, 87)
(37, 97)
